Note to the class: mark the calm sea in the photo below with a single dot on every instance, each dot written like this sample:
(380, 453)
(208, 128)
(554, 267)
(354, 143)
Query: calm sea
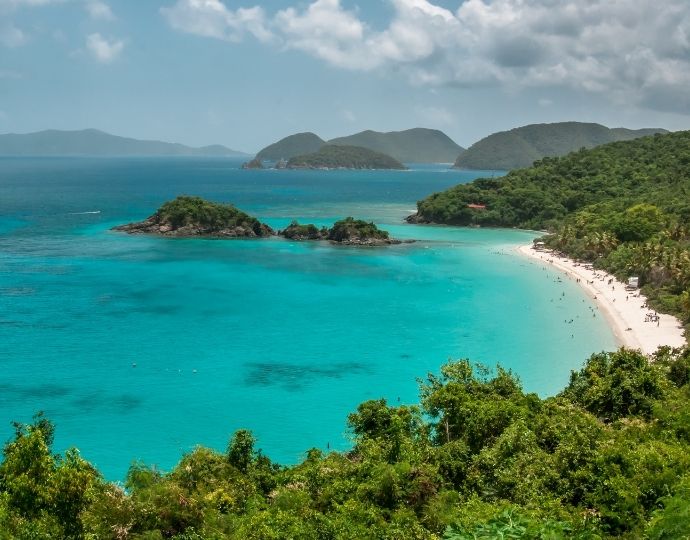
(140, 348)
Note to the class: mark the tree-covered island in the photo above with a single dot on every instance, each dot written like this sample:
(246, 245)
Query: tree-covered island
(188, 216)
(348, 231)
(344, 157)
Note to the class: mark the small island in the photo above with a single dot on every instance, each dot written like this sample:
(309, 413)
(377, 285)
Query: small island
(187, 216)
(344, 157)
(295, 231)
(348, 231)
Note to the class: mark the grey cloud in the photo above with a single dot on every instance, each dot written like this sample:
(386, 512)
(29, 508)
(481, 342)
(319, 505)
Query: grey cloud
(631, 51)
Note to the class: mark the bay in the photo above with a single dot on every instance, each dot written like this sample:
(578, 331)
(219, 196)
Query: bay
(139, 348)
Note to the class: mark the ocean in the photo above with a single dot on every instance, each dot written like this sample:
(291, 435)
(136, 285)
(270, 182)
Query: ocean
(139, 348)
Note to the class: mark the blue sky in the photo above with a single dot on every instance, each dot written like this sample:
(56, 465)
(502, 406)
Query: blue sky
(245, 73)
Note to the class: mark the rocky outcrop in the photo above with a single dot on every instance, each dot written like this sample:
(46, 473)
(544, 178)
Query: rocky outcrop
(253, 164)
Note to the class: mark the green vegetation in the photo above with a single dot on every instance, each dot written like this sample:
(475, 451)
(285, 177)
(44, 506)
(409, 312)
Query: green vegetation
(418, 145)
(295, 231)
(291, 146)
(625, 206)
(344, 157)
(350, 229)
(520, 147)
(197, 212)
(609, 457)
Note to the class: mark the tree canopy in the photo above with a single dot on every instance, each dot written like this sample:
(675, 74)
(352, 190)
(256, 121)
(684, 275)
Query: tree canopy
(609, 457)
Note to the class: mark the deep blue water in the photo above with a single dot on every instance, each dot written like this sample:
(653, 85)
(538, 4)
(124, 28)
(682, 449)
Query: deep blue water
(139, 348)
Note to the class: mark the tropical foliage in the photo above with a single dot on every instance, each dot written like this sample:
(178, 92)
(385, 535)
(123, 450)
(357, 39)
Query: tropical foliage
(351, 228)
(478, 459)
(186, 210)
(344, 157)
(625, 206)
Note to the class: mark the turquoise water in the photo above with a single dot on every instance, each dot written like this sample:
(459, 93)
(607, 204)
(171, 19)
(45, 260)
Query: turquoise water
(140, 348)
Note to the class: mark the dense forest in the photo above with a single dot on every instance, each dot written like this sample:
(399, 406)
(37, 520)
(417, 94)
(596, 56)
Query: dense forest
(609, 457)
(344, 157)
(625, 206)
(193, 216)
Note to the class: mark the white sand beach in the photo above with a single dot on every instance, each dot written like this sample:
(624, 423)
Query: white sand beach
(634, 324)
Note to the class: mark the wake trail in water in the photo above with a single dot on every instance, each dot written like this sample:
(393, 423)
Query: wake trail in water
(83, 213)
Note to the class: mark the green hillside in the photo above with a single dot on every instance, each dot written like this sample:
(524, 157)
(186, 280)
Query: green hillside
(291, 146)
(418, 145)
(92, 142)
(624, 206)
(344, 157)
(522, 146)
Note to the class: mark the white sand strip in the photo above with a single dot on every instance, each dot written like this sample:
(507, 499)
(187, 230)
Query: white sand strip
(634, 325)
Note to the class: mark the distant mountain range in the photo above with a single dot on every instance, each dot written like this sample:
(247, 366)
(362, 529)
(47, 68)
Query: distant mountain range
(92, 142)
(418, 145)
(520, 147)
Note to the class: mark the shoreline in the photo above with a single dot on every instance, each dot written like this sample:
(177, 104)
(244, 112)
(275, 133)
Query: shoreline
(632, 323)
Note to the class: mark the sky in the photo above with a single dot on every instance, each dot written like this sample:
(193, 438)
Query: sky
(246, 73)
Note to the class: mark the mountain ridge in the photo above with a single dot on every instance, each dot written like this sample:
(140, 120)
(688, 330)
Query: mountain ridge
(94, 142)
(415, 145)
(521, 146)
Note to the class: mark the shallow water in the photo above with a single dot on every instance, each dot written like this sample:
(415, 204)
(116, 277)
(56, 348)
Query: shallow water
(140, 348)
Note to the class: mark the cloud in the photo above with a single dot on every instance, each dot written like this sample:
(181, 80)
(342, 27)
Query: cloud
(210, 18)
(11, 36)
(103, 50)
(99, 10)
(631, 51)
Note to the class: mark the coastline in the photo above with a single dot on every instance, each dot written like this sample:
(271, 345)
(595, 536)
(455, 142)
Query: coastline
(624, 311)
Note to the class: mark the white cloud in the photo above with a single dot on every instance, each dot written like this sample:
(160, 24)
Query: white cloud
(632, 51)
(348, 115)
(99, 10)
(11, 36)
(103, 50)
(210, 18)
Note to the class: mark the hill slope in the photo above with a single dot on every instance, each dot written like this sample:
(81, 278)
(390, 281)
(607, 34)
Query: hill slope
(418, 145)
(92, 142)
(291, 146)
(344, 157)
(520, 147)
(624, 206)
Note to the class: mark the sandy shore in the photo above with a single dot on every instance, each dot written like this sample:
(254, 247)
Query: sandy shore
(633, 324)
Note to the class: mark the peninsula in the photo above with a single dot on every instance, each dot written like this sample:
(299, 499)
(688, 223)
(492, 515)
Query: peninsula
(622, 206)
(187, 216)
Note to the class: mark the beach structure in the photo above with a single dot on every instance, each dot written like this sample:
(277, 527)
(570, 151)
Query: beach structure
(633, 283)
